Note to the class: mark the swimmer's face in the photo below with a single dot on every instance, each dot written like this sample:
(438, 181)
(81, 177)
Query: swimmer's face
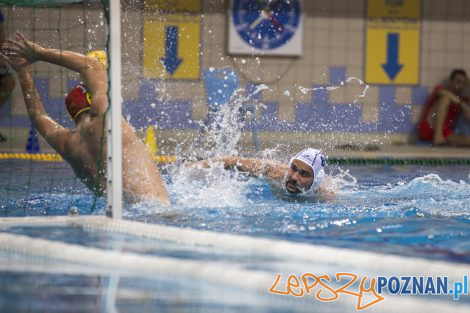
(458, 83)
(299, 177)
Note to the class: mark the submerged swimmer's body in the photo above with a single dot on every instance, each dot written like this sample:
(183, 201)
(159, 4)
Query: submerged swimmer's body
(303, 175)
(83, 147)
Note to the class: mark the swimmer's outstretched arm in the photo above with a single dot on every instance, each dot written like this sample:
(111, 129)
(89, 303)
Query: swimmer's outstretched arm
(53, 132)
(91, 69)
(255, 166)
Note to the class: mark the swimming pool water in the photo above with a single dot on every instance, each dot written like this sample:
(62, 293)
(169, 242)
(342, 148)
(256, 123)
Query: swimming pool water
(48, 292)
(405, 210)
(409, 210)
(30, 188)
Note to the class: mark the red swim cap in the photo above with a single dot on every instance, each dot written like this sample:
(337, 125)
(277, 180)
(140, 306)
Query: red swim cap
(78, 101)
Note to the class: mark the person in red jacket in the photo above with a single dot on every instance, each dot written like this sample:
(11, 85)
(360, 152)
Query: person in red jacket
(442, 110)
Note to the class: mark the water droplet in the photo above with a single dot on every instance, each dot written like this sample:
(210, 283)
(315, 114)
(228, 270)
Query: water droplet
(303, 90)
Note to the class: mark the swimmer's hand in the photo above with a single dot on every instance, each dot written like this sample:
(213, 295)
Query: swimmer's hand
(19, 52)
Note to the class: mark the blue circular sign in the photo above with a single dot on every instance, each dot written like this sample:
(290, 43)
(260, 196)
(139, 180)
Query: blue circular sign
(266, 24)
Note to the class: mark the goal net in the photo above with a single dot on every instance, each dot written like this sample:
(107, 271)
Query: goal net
(35, 180)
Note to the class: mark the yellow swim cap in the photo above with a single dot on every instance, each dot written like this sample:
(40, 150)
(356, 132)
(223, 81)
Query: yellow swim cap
(100, 55)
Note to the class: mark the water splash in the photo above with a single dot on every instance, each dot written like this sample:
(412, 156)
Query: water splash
(340, 179)
(223, 132)
(305, 90)
(213, 187)
(427, 195)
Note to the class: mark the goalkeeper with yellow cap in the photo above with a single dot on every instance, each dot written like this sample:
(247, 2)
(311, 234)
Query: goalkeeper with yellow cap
(84, 147)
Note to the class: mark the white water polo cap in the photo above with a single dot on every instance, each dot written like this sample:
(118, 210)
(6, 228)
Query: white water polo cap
(316, 160)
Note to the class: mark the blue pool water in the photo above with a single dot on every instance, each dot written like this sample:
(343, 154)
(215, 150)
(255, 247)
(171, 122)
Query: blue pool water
(409, 210)
(405, 210)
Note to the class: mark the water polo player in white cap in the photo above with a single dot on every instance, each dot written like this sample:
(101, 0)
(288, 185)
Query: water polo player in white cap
(305, 171)
(303, 175)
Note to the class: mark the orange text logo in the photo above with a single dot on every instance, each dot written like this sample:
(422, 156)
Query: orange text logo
(300, 287)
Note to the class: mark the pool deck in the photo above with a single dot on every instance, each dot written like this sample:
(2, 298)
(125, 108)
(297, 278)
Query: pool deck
(403, 152)
(393, 152)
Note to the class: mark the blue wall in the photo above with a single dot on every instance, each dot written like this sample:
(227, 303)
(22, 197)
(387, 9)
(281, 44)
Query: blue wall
(312, 116)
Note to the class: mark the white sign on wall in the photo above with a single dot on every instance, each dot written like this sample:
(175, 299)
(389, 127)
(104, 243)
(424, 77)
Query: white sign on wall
(265, 27)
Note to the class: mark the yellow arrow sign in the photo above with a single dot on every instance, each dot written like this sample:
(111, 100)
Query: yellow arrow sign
(172, 41)
(393, 42)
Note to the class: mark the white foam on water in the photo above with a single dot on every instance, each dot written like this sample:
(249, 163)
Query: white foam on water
(212, 187)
